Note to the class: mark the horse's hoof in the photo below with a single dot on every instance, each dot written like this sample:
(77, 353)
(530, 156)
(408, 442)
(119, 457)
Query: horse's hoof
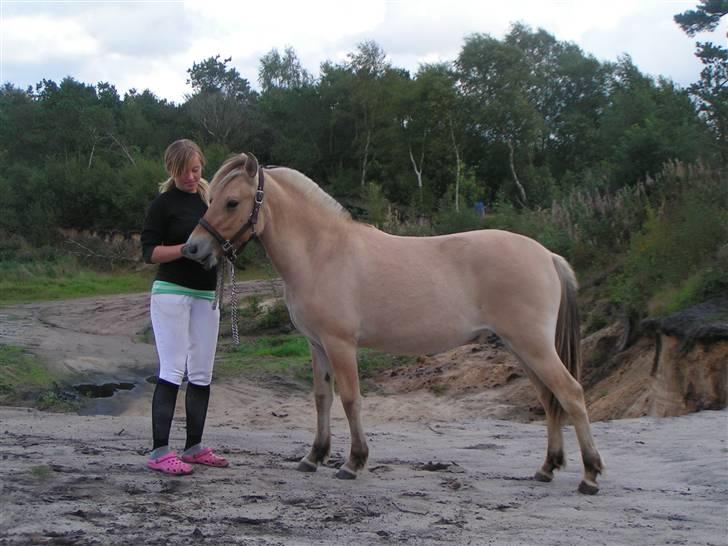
(345, 474)
(306, 466)
(588, 488)
(541, 476)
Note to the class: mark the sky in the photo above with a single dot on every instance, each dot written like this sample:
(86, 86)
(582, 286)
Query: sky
(150, 44)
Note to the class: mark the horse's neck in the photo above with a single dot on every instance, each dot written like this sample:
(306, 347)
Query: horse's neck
(296, 231)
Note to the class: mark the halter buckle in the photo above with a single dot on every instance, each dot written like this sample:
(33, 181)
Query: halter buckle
(227, 246)
(259, 197)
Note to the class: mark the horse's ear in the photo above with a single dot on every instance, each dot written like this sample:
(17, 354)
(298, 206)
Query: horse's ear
(251, 165)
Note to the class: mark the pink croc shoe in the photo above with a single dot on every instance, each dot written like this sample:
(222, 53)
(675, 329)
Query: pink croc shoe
(206, 457)
(170, 464)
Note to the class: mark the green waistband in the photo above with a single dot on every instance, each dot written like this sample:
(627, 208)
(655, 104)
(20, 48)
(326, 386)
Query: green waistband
(164, 287)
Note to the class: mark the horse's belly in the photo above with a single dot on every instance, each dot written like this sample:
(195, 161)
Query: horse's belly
(413, 340)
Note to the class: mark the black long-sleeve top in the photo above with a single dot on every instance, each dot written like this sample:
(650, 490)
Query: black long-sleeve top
(170, 219)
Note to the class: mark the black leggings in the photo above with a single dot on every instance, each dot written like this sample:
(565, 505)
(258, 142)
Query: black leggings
(163, 404)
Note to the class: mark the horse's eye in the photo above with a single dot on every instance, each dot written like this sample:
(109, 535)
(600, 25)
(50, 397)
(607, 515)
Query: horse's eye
(232, 204)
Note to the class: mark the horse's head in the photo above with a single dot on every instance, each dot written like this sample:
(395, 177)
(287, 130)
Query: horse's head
(236, 195)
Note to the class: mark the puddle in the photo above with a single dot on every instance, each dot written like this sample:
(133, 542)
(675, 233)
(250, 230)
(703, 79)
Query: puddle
(106, 390)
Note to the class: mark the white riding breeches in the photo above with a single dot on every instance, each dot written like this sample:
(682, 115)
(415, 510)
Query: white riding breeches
(185, 333)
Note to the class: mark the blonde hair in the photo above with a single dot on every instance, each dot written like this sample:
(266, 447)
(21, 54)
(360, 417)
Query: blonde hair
(176, 158)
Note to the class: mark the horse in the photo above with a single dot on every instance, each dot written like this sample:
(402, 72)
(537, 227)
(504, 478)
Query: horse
(348, 285)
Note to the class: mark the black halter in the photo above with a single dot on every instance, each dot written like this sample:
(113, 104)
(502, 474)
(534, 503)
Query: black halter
(228, 245)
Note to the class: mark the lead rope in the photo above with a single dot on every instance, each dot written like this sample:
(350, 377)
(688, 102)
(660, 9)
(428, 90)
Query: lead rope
(234, 304)
(217, 302)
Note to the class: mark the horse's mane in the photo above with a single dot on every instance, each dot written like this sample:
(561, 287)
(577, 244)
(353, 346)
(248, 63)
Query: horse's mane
(310, 190)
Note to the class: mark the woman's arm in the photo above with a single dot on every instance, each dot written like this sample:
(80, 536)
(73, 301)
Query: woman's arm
(163, 254)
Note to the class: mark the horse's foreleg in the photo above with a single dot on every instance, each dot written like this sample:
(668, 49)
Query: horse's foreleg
(323, 393)
(555, 447)
(342, 355)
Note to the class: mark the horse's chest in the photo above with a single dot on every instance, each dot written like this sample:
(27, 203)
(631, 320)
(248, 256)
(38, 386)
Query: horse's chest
(298, 314)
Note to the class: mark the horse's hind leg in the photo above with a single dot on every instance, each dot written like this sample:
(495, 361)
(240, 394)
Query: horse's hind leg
(555, 448)
(342, 355)
(541, 358)
(323, 393)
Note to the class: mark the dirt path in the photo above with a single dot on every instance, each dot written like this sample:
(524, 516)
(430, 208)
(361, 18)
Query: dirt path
(80, 479)
(70, 479)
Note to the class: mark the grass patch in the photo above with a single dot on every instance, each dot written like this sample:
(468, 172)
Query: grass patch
(78, 285)
(41, 472)
(255, 272)
(287, 357)
(84, 283)
(372, 362)
(439, 389)
(284, 356)
(25, 380)
(276, 347)
(20, 370)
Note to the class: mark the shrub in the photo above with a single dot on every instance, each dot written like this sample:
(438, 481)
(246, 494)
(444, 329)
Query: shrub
(675, 256)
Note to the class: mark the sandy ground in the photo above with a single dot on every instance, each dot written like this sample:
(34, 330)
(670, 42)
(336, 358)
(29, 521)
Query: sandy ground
(442, 469)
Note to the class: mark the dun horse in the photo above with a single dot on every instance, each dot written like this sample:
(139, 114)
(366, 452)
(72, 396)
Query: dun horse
(347, 284)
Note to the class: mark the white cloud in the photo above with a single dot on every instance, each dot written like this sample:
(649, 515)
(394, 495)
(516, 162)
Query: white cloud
(152, 43)
(43, 39)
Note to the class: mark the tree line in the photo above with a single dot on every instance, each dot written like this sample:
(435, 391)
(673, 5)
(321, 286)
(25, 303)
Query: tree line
(523, 122)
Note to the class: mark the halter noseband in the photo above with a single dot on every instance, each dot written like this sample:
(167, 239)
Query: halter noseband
(228, 245)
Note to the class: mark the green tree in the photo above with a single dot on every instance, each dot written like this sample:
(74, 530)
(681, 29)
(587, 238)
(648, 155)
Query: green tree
(570, 90)
(222, 102)
(711, 91)
(369, 66)
(282, 71)
(425, 112)
(705, 17)
(291, 112)
(495, 79)
(338, 141)
(646, 124)
(23, 135)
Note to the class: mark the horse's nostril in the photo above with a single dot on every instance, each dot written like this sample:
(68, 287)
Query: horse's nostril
(190, 249)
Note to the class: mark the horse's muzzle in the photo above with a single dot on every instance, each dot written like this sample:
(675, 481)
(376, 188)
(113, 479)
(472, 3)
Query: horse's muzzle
(200, 250)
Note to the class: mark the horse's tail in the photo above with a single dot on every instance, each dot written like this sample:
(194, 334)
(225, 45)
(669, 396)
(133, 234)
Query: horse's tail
(568, 335)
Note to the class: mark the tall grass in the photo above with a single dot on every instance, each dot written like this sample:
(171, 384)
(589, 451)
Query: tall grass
(85, 266)
(678, 257)
(665, 237)
(51, 272)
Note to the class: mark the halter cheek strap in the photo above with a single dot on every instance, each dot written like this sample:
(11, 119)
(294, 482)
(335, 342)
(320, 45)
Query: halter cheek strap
(228, 245)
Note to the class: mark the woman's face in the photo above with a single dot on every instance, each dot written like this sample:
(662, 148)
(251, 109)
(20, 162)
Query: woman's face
(188, 179)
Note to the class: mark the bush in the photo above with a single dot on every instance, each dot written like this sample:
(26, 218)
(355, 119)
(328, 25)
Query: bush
(376, 204)
(450, 221)
(537, 224)
(676, 256)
